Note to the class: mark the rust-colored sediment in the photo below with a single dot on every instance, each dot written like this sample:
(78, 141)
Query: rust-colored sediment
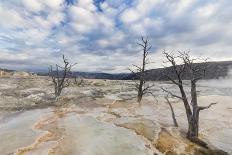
(45, 137)
(49, 134)
(173, 144)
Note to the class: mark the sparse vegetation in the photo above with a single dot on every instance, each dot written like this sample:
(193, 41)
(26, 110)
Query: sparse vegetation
(126, 96)
(196, 72)
(60, 76)
(117, 101)
(140, 71)
(172, 111)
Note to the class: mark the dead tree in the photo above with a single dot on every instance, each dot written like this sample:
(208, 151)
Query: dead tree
(194, 72)
(78, 82)
(60, 76)
(140, 71)
(172, 111)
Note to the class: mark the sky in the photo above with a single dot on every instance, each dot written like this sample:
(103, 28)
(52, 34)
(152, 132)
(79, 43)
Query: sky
(102, 35)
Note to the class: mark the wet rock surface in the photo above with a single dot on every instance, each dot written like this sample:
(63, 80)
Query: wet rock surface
(102, 117)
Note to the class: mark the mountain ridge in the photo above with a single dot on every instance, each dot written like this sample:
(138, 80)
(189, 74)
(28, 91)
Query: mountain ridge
(215, 70)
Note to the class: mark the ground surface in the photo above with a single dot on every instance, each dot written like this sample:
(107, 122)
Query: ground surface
(102, 117)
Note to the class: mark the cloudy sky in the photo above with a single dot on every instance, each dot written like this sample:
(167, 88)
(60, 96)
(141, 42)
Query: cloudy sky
(101, 35)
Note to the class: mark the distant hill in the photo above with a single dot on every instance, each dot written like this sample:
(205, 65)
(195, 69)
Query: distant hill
(90, 75)
(214, 70)
(6, 70)
(93, 75)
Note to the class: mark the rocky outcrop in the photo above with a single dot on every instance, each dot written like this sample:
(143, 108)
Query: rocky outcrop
(17, 74)
(5, 73)
(21, 74)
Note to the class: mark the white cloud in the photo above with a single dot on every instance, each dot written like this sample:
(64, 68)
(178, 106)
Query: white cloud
(10, 18)
(36, 36)
(86, 18)
(40, 5)
(130, 16)
(33, 5)
(53, 4)
(179, 8)
(142, 8)
(83, 19)
(17, 56)
(87, 4)
(55, 18)
(31, 33)
(207, 10)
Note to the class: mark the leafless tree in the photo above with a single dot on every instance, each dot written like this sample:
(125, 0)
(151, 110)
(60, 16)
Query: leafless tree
(78, 81)
(140, 71)
(60, 76)
(196, 72)
(172, 111)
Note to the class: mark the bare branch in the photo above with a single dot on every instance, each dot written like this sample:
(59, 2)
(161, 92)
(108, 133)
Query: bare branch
(173, 81)
(147, 88)
(153, 95)
(60, 77)
(206, 107)
(195, 72)
(141, 45)
(140, 71)
(172, 111)
(138, 68)
(170, 93)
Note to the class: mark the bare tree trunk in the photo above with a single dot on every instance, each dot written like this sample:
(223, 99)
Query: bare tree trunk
(192, 115)
(186, 104)
(192, 109)
(59, 78)
(140, 85)
(140, 91)
(193, 126)
(58, 91)
(194, 123)
(172, 111)
(142, 73)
